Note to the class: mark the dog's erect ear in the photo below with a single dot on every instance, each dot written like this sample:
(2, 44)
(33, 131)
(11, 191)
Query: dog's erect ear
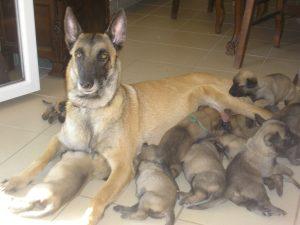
(72, 28)
(117, 29)
(296, 79)
(271, 139)
(251, 82)
(259, 120)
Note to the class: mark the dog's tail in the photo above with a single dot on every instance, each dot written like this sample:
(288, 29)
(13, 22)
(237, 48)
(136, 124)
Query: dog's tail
(210, 202)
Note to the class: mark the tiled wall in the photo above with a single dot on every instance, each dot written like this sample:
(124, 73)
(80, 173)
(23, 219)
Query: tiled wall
(117, 4)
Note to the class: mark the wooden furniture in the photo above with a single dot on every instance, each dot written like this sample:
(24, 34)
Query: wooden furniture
(243, 21)
(93, 16)
(220, 12)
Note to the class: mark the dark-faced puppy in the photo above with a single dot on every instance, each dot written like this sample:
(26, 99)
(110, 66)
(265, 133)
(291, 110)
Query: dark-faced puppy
(246, 173)
(156, 189)
(273, 88)
(203, 169)
(176, 141)
(290, 115)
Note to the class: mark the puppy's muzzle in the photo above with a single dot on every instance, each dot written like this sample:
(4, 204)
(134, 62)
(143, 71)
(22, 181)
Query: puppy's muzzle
(236, 90)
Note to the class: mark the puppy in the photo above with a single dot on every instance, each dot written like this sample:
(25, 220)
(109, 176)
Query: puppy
(60, 185)
(290, 115)
(245, 174)
(203, 169)
(242, 126)
(273, 88)
(232, 145)
(155, 189)
(178, 139)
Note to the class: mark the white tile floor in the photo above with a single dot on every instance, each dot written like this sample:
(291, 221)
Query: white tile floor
(157, 47)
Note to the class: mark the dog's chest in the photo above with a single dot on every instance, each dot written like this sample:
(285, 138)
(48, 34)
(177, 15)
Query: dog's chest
(87, 131)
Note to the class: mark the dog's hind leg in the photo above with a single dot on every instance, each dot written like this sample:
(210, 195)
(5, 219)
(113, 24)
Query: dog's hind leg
(221, 100)
(193, 198)
(126, 209)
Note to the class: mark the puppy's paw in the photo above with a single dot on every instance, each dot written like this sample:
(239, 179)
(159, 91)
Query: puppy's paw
(13, 184)
(273, 212)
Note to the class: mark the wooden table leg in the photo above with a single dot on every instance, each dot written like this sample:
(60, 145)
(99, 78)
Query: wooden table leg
(210, 6)
(220, 13)
(244, 34)
(279, 22)
(175, 8)
(238, 14)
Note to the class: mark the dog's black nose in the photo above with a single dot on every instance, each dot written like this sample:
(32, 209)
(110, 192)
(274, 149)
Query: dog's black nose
(87, 84)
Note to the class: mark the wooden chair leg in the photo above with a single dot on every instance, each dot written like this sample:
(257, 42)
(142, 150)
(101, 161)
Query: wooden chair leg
(279, 22)
(175, 8)
(244, 35)
(210, 6)
(220, 13)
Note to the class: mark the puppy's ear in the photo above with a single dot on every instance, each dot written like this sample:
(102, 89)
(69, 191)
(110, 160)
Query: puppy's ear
(117, 29)
(251, 82)
(271, 139)
(296, 79)
(72, 28)
(259, 120)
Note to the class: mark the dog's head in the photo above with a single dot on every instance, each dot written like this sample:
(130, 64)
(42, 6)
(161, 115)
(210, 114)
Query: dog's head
(275, 135)
(150, 153)
(244, 84)
(93, 67)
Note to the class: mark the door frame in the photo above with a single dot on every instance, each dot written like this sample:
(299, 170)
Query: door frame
(28, 53)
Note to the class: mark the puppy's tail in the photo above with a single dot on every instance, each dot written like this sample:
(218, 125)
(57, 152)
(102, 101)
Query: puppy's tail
(208, 203)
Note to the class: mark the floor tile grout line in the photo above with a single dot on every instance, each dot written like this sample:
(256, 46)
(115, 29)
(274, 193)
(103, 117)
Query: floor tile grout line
(25, 145)
(297, 212)
(189, 221)
(178, 214)
(149, 13)
(17, 128)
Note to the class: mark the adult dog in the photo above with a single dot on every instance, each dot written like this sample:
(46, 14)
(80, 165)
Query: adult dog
(114, 119)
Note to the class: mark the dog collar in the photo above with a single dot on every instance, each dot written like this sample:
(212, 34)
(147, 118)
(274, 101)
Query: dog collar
(194, 120)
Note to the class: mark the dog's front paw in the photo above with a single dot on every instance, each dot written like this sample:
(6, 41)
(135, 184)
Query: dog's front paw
(13, 184)
(91, 216)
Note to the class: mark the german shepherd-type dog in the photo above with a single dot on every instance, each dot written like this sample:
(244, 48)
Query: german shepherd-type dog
(114, 119)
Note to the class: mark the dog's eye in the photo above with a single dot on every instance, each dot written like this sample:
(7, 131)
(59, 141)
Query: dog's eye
(102, 56)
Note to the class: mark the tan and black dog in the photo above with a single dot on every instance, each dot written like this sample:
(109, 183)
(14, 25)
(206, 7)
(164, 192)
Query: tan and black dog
(273, 88)
(114, 119)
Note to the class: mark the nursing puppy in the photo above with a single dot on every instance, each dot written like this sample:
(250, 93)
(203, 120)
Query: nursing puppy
(232, 145)
(245, 174)
(177, 140)
(156, 189)
(60, 185)
(242, 126)
(290, 115)
(273, 88)
(203, 169)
